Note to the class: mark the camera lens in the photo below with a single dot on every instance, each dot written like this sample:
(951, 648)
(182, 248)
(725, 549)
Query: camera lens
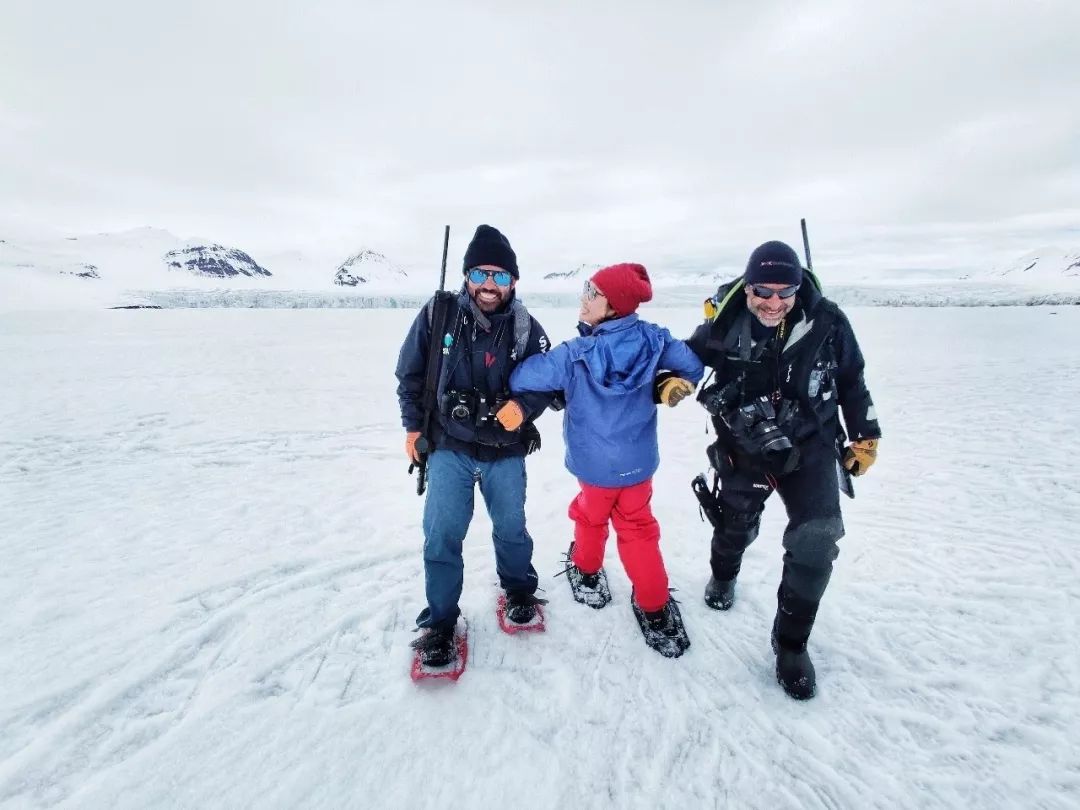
(774, 442)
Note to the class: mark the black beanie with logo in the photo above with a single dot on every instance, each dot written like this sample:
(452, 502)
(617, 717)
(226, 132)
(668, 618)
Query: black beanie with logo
(774, 263)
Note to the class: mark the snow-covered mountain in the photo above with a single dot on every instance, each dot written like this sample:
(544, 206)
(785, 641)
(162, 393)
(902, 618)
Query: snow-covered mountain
(107, 269)
(369, 269)
(140, 266)
(1043, 264)
(82, 271)
(214, 260)
(140, 258)
(120, 257)
(153, 266)
(660, 277)
(582, 271)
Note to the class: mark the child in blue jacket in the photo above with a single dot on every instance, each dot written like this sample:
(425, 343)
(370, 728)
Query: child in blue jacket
(608, 377)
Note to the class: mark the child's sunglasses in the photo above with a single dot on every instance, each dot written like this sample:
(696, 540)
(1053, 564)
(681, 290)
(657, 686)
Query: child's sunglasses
(501, 277)
(589, 291)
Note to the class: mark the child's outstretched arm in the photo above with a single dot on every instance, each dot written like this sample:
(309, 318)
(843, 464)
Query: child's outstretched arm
(680, 358)
(542, 372)
(683, 371)
(532, 404)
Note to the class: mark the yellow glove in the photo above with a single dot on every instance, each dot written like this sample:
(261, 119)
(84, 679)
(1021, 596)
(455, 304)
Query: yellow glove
(510, 416)
(860, 456)
(410, 446)
(674, 390)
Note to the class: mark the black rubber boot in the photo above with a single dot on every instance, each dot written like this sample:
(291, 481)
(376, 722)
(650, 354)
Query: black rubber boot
(720, 595)
(794, 670)
(791, 630)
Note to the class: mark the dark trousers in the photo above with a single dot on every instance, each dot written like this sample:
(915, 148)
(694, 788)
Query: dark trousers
(811, 495)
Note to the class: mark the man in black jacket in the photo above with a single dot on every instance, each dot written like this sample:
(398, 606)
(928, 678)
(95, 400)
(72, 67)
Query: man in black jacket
(786, 362)
(480, 436)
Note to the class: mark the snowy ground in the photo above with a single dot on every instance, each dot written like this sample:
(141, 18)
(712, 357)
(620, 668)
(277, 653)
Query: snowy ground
(211, 567)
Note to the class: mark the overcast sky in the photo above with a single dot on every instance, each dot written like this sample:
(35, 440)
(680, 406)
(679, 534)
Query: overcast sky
(679, 134)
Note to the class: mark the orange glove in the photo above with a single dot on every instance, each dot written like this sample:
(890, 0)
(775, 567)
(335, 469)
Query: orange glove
(860, 456)
(410, 446)
(510, 416)
(674, 390)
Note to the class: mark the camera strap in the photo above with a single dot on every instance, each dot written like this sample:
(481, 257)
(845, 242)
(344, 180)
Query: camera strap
(749, 352)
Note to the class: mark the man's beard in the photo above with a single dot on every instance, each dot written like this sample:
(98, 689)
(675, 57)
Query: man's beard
(494, 305)
(763, 318)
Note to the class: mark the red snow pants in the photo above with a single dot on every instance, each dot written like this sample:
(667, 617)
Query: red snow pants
(636, 531)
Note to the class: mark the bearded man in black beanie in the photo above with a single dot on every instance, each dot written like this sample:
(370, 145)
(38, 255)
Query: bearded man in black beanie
(480, 435)
(786, 362)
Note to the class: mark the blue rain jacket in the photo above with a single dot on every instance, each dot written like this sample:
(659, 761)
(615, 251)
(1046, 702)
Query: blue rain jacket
(607, 376)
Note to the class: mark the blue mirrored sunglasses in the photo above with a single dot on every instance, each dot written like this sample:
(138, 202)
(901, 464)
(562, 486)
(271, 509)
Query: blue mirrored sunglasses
(766, 292)
(501, 277)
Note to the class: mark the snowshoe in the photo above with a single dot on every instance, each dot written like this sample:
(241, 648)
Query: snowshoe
(663, 630)
(520, 613)
(588, 589)
(440, 653)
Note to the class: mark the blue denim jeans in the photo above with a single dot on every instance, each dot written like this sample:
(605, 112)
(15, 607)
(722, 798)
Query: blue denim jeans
(448, 510)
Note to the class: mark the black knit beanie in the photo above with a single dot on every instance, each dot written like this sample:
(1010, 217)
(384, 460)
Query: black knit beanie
(488, 246)
(773, 263)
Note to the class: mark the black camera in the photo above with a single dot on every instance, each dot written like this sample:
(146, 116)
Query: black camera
(472, 406)
(717, 398)
(755, 427)
(459, 405)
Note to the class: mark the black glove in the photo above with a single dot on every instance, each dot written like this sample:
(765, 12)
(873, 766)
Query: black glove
(715, 398)
(530, 437)
(658, 384)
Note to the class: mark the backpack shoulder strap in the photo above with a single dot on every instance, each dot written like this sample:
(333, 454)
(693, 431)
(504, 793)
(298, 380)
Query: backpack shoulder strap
(451, 310)
(522, 330)
(724, 297)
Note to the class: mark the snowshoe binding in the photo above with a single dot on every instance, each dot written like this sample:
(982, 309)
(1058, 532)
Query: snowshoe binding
(588, 589)
(520, 613)
(663, 629)
(440, 653)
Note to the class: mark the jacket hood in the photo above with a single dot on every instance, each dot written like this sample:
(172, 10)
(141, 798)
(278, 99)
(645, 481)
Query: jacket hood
(622, 357)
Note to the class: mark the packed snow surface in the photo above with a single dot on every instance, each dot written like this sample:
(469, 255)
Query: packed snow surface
(212, 566)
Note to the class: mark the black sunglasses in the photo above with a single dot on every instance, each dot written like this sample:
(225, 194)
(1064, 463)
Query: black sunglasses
(767, 292)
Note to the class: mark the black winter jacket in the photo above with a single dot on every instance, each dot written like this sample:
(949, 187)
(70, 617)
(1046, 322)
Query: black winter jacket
(820, 366)
(476, 360)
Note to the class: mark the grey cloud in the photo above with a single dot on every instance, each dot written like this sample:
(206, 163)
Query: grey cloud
(678, 133)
